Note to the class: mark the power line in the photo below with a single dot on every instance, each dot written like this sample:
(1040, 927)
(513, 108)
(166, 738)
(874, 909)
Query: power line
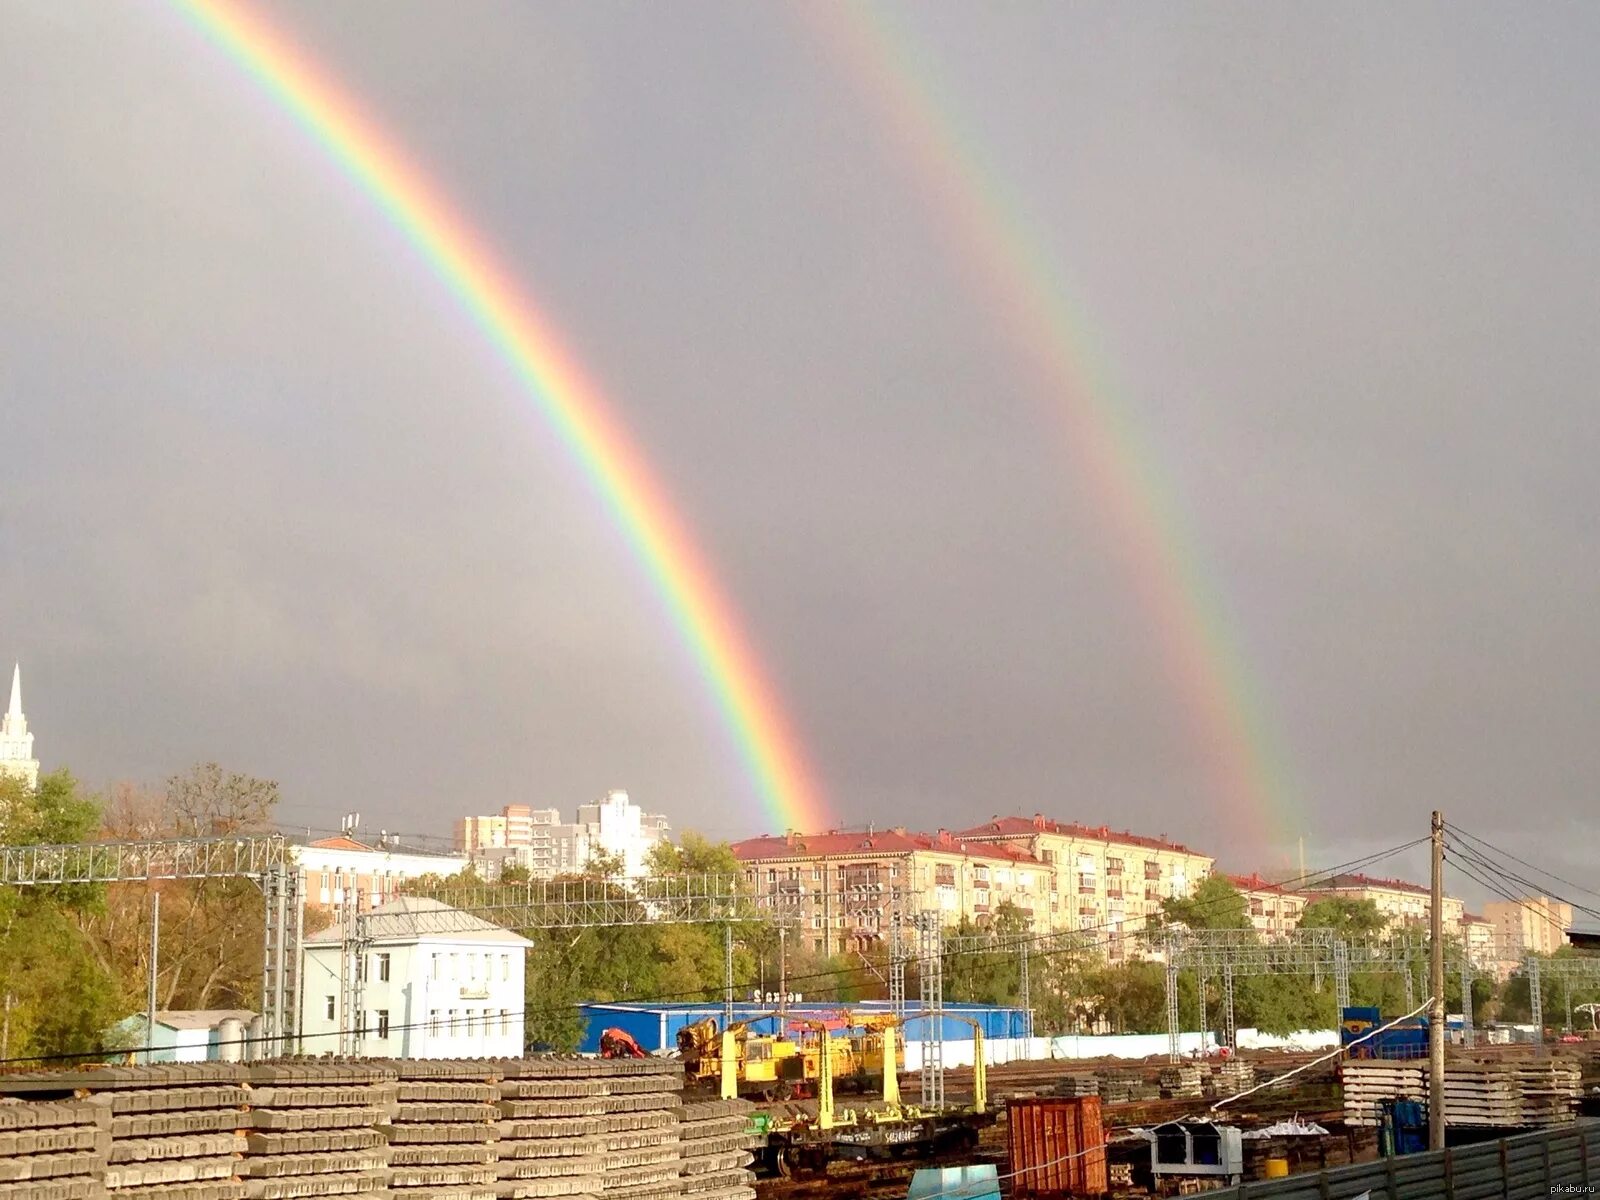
(1073, 948)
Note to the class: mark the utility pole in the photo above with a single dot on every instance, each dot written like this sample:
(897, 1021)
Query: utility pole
(783, 977)
(155, 954)
(1436, 988)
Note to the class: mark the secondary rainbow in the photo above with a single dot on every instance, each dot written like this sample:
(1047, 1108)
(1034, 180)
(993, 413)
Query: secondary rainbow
(1117, 469)
(554, 382)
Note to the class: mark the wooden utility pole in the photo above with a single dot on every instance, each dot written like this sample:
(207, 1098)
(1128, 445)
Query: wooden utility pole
(1436, 992)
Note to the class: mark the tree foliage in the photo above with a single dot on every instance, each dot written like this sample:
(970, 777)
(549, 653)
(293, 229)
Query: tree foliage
(56, 994)
(216, 961)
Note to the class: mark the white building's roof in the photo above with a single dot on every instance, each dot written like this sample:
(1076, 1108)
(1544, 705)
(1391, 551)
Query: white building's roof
(420, 919)
(200, 1018)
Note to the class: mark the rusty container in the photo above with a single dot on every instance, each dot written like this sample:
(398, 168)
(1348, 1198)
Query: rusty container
(1057, 1147)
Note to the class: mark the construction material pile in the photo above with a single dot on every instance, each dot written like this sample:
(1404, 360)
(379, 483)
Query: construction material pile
(1509, 1095)
(714, 1145)
(1073, 1086)
(171, 1130)
(442, 1130)
(1230, 1077)
(1182, 1081)
(53, 1151)
(315, 1129)
(1125, 1086)
(1551, 1090)
(598, 1127)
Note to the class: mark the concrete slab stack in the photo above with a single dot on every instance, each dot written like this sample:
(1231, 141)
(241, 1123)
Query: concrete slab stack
(316, 1129)
(715, 1141)
(588, 1127)
(443, 1131)
(1182, 1081)
(53, 1151)
(175, 1130)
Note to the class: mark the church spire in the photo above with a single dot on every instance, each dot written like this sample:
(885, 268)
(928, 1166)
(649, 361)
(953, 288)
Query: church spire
(15, 710)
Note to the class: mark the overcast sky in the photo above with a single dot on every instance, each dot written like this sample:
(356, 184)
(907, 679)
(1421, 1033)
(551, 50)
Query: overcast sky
(270, 499)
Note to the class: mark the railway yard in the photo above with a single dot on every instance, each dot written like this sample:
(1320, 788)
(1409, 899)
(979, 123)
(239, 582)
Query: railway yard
(585, 1127)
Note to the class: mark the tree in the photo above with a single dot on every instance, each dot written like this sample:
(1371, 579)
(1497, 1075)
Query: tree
(56, 995)
(693, 855)
(1214, 904)
(1345, 917)
(989, 976)
(216, 963)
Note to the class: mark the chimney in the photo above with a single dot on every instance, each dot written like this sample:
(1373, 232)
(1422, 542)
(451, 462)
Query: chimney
(944, 837)
(899, 831)
(1038, 820)
(788, 838)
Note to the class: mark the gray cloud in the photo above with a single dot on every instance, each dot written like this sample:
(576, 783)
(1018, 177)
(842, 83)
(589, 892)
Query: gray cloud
(269, 498)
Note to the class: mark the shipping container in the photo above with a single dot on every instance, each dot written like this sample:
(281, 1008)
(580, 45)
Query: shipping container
(1057, 1147)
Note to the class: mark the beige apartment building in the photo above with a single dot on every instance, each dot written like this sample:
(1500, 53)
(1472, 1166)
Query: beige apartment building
(843, 889)
(1274, 911)
(1477, 938)
(1531, 925)
(1101, 880)
(1398, 902)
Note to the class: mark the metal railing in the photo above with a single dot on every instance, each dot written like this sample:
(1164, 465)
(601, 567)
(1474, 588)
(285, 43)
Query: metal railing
(132, 862)
(1515, 1168)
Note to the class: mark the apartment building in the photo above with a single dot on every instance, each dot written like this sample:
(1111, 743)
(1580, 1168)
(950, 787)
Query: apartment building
(1274, 911)
(338, 870)
(1531, 925)
(540, 842)
(1100, 879)
(1398, 902)
(843, 889)
(1477, 938)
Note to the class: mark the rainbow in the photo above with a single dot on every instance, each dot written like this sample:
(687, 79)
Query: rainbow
(555, 384)
(1118, 471)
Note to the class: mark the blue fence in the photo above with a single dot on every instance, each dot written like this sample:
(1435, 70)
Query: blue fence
(655, 1026)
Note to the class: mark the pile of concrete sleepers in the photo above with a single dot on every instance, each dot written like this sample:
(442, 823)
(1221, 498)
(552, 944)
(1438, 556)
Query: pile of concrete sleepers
(174, 1131)
(1182, 1080)
(1366, 1083)
(53, 1151)
(443, 1130)
(316, 1129)
(588, 1127)
(714, 1144)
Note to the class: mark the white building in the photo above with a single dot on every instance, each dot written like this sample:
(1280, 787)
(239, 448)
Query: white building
(615, 827)
(333, 869)
(16, 743)
(536, 839)
(438, 983)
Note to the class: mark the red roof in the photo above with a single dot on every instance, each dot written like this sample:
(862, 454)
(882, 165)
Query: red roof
(1254, 883)
(1352, 883)
(1027, 826)
(889, 841)
(338, 842)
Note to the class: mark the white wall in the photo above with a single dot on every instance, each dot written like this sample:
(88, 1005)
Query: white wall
(468, 1005)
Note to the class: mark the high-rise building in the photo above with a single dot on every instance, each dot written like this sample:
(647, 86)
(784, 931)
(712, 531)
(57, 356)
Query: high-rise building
(16, 743)
(537, 840)
(1531, 925)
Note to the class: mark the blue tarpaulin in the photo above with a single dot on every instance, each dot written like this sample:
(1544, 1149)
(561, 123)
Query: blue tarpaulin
(955, 1183)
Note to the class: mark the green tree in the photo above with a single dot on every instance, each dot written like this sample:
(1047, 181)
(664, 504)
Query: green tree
(56, 994)
(1214, 904)
(1345, 917)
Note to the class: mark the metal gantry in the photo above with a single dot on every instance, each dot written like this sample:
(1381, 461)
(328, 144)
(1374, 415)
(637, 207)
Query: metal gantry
(930, 973)
(1242, 952)
(262, 858)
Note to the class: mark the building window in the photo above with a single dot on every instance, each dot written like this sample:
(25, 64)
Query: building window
(330, 1007)
(383, 1022)
(1152, 870)
(436, 965)
(383, 966)
(454, 967)
(505, 1020)
(433, 1022)
(455, 1022)
(1113, 866)
(505, 967)
(472, 1022)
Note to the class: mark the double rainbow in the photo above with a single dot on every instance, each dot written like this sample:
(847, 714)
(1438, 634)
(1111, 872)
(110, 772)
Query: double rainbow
(556, 386)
